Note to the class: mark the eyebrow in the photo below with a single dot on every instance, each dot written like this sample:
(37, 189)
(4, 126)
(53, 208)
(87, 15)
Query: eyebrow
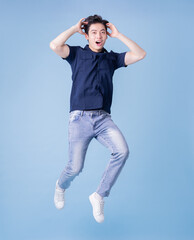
(94, 30)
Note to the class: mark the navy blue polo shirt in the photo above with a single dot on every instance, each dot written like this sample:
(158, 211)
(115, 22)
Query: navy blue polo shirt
(92, 73)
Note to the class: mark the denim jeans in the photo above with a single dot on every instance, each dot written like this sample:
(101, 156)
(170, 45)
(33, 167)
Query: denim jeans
(83, 127)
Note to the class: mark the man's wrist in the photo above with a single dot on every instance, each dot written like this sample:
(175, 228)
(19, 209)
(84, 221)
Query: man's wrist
(74, 29)
(119, 35)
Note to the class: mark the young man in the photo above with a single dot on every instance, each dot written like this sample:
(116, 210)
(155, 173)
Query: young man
(91, 97)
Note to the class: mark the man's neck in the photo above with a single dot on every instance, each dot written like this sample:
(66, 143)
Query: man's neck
(96, 50)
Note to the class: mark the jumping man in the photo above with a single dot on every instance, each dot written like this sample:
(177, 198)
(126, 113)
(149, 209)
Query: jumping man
(90, 103)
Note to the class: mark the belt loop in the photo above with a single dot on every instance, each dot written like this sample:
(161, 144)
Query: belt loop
(82, 113)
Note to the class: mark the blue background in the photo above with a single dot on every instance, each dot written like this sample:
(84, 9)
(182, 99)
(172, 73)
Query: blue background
(153, 105)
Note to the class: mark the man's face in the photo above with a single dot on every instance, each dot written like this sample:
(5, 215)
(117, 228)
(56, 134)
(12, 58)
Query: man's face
(97, 37)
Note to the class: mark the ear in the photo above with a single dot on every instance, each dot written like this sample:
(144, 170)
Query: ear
(86, 36)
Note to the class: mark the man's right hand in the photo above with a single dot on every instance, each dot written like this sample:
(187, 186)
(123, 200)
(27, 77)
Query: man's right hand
(59, 46)
(80, 26)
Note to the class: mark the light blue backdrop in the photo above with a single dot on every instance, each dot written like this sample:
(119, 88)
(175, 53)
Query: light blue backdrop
(153, 105)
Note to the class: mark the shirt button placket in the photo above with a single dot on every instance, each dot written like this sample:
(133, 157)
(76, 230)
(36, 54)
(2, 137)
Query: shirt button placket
(97, 59)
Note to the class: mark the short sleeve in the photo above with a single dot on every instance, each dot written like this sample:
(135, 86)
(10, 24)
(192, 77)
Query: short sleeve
(72, 54)
(119, 59)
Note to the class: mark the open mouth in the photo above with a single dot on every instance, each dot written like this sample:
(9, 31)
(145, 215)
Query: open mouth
(98, 43)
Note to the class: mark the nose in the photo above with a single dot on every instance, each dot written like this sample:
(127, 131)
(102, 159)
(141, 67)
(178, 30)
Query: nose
(99, 35)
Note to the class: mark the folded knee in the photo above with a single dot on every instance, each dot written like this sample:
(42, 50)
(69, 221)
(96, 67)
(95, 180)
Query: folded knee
(74, 171)
(125, 153)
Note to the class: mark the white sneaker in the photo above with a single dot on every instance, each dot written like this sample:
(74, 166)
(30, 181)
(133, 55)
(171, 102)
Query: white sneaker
(59, 197)
(98, 207)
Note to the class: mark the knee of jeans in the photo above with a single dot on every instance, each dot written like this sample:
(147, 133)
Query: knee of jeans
(122, 154)
(125, 153)
(73, 171)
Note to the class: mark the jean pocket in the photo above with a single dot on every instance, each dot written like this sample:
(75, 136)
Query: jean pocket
(74, 117)
(105, 115)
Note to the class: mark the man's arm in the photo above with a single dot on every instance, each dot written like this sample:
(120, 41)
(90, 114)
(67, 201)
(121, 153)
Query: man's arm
(58, 44)
(135, 54)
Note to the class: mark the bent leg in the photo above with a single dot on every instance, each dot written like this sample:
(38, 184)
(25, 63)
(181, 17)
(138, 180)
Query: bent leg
(79, 139)
(111, 137)
(77, 152)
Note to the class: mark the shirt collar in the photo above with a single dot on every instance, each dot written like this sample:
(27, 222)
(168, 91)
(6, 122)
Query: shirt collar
(88, 49)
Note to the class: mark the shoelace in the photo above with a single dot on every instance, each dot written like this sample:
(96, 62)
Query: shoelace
(100, 208)
(59, 195)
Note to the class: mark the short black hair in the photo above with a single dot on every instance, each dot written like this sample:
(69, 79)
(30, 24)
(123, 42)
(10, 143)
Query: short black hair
(94, 19)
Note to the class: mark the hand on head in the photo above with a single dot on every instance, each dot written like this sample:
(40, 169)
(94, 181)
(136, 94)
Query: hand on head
(80, 26)
(114, 31)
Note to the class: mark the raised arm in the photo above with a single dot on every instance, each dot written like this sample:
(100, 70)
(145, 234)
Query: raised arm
(58, 44)
(135, 54)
